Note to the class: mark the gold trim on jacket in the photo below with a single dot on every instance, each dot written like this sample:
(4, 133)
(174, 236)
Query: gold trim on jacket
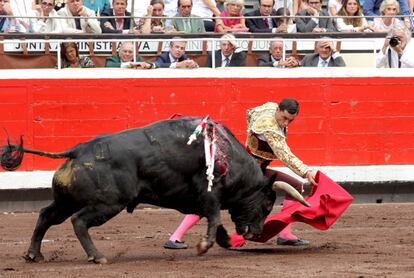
(266, 139)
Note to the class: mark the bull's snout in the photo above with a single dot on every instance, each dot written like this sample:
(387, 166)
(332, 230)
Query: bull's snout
(242, 230)
(248, 233)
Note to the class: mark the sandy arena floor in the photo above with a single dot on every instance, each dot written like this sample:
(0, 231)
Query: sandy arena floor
(375, 240)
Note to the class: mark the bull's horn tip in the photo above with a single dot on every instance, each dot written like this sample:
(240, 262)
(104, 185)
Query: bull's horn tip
(306, 204)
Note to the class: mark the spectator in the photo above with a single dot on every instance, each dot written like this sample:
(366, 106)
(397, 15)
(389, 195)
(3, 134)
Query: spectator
(79, 20)
(398, 49)
(46, 25)
(201, 8)
(229, 54)
(234, 21)
(314, 24)
(266, 24)
(325, 56)
(5, 22)
(116, 25)
(358, 24)
(291, 26)
(176, 57)
(372, 8)
(190, 25)
(23, 8)
(275, 57)
(153, 25)
(98, 6)
(206, 9)
(125, 59)
(387, 8)
(69, 55)
(334, 6)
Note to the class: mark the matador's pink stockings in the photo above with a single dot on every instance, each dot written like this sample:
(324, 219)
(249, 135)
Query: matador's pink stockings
(286, 233)
(188, 222)
(191, 219)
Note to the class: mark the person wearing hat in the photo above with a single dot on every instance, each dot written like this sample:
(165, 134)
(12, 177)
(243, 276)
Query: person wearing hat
(229, 54)
(266, 141)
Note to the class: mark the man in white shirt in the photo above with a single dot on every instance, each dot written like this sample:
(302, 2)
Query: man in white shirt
(326, 56)
(275, 57)
(229, 54)
(398, 49)
(176, 57)
(49, 24)
(121, 24)
(80, 20)
(125, 59)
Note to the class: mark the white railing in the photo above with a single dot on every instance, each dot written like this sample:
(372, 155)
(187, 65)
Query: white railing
(369, 45)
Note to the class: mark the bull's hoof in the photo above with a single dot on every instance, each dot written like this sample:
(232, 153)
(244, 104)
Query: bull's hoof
(202, 247)
(98, 260)
(33, 257)
(222, 238)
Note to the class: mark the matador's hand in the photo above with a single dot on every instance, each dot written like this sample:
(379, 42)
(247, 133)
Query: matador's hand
(310, 176)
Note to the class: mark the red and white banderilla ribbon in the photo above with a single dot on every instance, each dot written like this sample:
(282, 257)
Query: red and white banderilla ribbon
(210, 152)
(200, 127)
(209, 148)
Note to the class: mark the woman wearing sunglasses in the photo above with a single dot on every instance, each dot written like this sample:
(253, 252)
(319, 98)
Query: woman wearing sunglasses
(47, 21)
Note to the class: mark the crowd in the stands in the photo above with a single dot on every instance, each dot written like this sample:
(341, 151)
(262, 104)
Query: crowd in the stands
(199, 16)
(221, 16)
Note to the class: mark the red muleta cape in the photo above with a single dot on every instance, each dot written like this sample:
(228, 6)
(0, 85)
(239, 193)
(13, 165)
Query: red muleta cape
(328, 201)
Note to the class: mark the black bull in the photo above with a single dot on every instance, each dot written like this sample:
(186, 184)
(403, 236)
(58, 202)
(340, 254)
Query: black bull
(154, 165)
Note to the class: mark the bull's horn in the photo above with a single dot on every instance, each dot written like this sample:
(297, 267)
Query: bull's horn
(291, 191)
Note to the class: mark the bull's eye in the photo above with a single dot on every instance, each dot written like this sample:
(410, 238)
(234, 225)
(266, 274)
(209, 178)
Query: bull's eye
(268, 205)
(269, 208)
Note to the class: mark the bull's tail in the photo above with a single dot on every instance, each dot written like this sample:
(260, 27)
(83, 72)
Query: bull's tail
(11, 156)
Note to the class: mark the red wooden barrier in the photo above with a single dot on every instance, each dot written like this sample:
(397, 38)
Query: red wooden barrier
(343, 121)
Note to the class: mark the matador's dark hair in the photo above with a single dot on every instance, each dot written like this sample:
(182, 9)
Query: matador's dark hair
(289, 104)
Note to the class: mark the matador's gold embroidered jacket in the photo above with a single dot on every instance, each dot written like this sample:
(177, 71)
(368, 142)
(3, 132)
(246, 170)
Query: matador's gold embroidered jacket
(267, 140)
